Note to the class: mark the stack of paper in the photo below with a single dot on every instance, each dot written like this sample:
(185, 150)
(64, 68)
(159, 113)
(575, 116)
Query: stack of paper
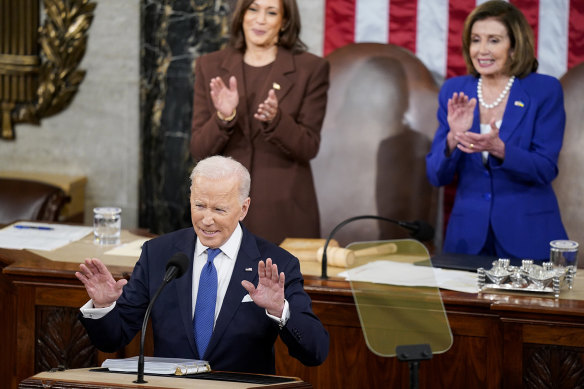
(158, 365)
(40, 236)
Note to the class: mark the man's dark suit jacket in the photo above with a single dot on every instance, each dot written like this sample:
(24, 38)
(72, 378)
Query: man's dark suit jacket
(243, 337)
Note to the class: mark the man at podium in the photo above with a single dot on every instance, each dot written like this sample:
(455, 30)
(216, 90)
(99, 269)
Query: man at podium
(237, 295)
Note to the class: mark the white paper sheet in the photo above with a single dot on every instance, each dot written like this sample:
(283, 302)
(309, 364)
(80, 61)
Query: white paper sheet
(130, 249)
(407, 274)
(40, 236)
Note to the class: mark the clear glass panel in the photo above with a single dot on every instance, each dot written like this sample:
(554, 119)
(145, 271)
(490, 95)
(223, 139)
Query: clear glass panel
(396, 296)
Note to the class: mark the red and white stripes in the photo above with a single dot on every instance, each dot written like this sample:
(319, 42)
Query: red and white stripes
(432, 29)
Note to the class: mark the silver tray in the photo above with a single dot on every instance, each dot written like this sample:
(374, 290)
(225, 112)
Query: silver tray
(531, 278)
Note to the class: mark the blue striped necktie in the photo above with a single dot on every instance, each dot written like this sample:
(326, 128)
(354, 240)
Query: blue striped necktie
(205, 306)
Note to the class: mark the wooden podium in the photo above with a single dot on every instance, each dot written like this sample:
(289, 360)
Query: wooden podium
(500, 340)
(91, 379)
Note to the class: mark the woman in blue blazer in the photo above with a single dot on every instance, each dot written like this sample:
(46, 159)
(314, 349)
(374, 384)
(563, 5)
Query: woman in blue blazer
(500, 132)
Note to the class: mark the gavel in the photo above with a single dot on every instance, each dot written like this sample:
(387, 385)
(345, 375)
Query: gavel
(341, 257)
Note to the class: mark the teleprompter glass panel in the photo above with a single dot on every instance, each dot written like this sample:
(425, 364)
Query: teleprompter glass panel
(397, 297)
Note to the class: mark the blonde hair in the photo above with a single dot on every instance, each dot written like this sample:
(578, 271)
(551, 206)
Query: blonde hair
(523, 61)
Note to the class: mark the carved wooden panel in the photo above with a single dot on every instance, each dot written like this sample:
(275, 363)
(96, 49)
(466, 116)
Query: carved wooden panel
(61, 340)
(7, 329)
(552, 367)
(473, 361)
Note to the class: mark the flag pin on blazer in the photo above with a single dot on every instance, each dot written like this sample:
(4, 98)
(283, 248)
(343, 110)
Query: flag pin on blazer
(248, 269)
(276, 86)
(519, 103)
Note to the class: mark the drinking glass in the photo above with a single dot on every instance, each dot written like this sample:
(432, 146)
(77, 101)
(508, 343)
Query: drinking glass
(564, 253)
(107, 224)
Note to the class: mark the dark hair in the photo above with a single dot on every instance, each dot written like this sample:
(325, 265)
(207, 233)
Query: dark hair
(289, 35)
(523, 60)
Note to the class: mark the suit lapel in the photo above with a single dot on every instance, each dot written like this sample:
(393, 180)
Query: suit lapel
(514, 112)
(476, 122)
(282, 75)
(517, 106)
(280, 78)
(247, 258)
(184, 287)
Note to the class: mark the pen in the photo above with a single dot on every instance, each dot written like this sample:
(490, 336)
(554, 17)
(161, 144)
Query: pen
(33, 227)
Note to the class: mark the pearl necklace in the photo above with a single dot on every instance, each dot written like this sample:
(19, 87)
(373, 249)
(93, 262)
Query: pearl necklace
(499, 99)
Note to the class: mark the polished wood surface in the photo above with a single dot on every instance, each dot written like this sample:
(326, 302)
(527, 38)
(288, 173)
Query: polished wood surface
(500, 340)
(86, 378)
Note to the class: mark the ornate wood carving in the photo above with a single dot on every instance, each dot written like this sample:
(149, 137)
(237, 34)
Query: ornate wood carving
(61, 340)
(553, 367)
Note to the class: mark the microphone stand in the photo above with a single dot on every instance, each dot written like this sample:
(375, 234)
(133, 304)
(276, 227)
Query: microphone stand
(140, 379)
(347, 221)
(413, 354)
(175, 268)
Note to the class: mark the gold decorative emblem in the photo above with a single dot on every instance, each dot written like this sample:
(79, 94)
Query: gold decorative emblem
(44, 83)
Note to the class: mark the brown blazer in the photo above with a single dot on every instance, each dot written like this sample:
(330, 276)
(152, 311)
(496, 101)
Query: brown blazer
(278, 154)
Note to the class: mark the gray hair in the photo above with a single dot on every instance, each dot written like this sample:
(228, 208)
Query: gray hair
(217, 167)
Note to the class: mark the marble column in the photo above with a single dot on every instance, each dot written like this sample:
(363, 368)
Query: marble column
(174, 33)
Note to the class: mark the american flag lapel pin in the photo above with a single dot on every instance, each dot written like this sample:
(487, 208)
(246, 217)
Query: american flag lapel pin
(248, 269)
(519, 103)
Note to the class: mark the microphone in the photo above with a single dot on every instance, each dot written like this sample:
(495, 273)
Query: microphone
(420, 230)
(175, 268)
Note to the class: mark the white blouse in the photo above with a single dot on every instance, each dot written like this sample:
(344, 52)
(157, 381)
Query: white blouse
(485, 129)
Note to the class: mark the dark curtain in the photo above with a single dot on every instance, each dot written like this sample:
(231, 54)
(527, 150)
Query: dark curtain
(173, 34)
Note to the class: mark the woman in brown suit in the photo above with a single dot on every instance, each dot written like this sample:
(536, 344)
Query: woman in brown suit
(262, 101)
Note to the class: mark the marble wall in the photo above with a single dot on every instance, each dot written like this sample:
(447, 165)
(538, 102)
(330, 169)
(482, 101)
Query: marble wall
(100, 134)
(174, 34)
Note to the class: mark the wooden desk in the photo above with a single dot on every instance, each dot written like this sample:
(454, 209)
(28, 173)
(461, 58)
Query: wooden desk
(500, 340)
(39, 304)
(85, 378)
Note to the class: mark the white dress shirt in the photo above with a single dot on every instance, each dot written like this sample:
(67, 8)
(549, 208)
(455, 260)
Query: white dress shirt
(224, 263)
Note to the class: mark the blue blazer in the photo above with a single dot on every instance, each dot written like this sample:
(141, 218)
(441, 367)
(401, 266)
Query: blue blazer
(243, 338)
(514, 196)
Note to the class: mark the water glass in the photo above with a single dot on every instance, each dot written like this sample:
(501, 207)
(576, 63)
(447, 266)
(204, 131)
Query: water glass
(564, 253)
(107, 225)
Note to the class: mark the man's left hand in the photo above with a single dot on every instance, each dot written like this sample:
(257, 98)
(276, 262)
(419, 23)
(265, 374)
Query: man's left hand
(269, 293)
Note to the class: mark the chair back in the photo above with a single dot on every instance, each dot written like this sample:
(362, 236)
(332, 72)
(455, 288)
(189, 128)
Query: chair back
(30, 200)
(378, 128)
(569, 185)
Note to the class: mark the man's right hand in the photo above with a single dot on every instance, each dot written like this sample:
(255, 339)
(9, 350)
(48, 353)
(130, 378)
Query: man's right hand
(101, 286)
